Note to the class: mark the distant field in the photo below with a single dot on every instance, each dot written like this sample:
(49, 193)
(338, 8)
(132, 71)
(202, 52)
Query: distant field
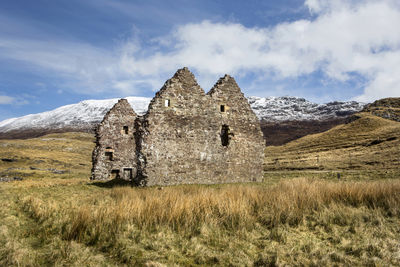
(56, 216)
(66, 155)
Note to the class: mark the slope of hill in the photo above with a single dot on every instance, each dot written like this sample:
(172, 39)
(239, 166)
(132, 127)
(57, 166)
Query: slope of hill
(370, 142)
(62, 156)
(277, 133)
(284, 119)
(388, 108)
(272, 111)
(81, 117)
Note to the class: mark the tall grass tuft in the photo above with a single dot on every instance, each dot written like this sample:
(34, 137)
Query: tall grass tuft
(186, 209)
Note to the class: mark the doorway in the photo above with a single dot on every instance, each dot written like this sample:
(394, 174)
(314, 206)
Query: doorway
(128, 174)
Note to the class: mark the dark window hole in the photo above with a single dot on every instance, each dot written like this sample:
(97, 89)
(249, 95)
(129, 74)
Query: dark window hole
(109, 155)
(115, 174)
(225, 135)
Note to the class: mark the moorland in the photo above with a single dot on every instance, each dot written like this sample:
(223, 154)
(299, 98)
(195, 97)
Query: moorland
(331, 198)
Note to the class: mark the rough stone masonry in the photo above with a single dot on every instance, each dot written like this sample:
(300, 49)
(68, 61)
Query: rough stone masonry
(186, 137)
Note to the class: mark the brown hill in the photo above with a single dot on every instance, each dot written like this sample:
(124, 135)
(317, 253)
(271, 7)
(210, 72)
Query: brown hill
(279, 133)
(34, 133)
(370, 142)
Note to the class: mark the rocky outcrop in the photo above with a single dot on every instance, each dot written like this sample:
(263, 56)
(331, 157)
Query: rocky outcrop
(288, 108)
(188, 136)
(388, 108)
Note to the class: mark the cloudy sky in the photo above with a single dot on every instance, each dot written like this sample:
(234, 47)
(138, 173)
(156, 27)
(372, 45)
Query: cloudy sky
(60, 52)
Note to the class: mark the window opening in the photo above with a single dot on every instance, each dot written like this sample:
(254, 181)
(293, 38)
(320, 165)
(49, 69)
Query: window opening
(222, 108)
(167, 103)
(126, 129)
(225, 135)
(109, 153)
(115, 174)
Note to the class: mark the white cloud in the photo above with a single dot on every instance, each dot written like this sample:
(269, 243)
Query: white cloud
(8, 100)
(82, 64)
(327, 6)
(343, 38)
(4, 100)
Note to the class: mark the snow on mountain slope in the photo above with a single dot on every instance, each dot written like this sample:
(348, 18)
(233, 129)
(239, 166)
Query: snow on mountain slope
(85, 114)
(81, 115)
(288, 108)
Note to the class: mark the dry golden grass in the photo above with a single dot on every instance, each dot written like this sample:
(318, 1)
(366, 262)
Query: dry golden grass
(370, 142)
(232, 207)
(44, 156)
(289, 219)
(295, 221)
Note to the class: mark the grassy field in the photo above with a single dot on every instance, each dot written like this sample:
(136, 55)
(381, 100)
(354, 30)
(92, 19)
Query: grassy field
(299, 221)
(369, 143)
(56, 216)
(57, 156)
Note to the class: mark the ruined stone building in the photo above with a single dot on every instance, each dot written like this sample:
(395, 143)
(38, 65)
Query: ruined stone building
(186, 136)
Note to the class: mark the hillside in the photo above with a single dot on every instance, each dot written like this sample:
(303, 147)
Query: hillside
(369, 142)
(284, 119)
(278, 133)
(79, 117)
(66, 155)
(388, 108)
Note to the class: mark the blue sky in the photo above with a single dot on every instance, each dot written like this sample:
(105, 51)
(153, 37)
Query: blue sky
(54, 53)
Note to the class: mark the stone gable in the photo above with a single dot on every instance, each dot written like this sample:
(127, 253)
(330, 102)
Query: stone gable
(115, 153)
(186, 136)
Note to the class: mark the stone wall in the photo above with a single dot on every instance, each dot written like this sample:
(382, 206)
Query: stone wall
(188, 136)
(243, 157)
(183, 143)
(115, 153)
(177, 130)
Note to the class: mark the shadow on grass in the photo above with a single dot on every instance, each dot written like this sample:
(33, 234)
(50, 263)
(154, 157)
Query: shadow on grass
(112, 183)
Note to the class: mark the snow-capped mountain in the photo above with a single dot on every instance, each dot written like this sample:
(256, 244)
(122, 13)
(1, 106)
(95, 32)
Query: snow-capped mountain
(289, 108)
(81, 115)
(86, 114)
